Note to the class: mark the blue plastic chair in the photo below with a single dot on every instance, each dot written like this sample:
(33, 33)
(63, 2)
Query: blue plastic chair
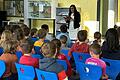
(25, 72)
(80, 57)
(45, 75)
(1, 51)
(2, 68)
(63, 63)
(89, 72)
(112, 68)
(65, 52)
(18, 54)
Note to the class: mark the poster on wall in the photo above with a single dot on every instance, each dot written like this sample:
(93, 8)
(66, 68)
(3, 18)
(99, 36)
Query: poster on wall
(14, 8)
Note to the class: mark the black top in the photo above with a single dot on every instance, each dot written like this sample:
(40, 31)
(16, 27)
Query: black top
(77, 20)
(110, 54)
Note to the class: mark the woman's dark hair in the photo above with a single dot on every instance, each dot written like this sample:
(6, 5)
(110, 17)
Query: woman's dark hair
(75, 10)
(112, 39)
(118, 30)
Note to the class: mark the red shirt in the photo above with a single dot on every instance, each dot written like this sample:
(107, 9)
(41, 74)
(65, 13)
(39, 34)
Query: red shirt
(9, 59)
(28, 60)
(63, 57)
(76, 47)
(62, 76)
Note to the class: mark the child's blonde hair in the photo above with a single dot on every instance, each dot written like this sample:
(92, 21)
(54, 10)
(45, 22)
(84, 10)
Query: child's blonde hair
(9, 46)
(6, 35)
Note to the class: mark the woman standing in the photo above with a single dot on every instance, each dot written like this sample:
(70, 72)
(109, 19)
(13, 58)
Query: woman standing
(73, 19)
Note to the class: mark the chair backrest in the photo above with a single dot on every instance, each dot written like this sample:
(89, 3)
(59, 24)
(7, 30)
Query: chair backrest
(1, 51)
(89, 72)
(25, 72)
(112, 68)
(63, 63)
(2, 68)
(18, 54)
(80, 57)
(45, 75)
(65, 52)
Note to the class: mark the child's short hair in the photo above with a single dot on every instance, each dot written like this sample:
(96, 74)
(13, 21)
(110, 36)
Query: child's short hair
(56, 42)
(96, 48)
(42, 33)
(44, 26)
(33, 31)
(63, 39)
(48, 49)
(63, 28)
(82, 35)
(26, 46)
(97, 35)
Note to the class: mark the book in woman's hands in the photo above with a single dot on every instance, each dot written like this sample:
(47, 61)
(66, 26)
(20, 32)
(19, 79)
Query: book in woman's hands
(67, 18)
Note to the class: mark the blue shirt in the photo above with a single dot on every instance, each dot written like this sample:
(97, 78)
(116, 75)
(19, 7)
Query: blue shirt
(68, 38)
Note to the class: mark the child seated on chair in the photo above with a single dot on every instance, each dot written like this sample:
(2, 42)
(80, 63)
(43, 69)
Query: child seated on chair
(49, 36)
(80, 45)
(63, 40)
(33, 35)
(41, 34)
(95, 52)
(62, 56)
(48, 63)
(63, 31)
(27, 59)
(9, 58)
